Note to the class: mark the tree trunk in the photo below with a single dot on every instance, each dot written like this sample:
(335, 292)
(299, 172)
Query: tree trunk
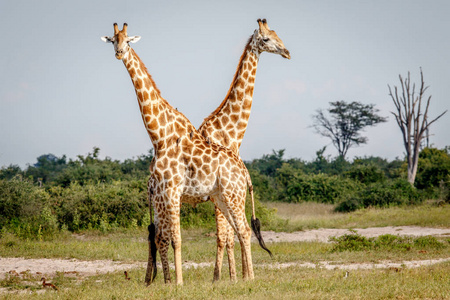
(412, 171)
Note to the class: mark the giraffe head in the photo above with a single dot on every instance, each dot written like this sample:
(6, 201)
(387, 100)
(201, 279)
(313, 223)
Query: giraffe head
(120, 40)
(267, 40)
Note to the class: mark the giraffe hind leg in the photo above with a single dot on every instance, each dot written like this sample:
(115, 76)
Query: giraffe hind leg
(225, 238)
(230, 252)
(246, 251)
(244, 235)
(162, 241)
(238, 221)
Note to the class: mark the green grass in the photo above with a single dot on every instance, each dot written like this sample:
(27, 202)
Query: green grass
(128, 245)
(290, 283)
(310, 215)
(197, 247)
(131, 245)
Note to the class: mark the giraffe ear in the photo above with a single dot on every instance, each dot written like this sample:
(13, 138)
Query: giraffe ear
(106, 39)
(134, 39)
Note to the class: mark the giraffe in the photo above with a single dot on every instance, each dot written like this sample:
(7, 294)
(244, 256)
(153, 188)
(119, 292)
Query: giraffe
(186, 165)
(226, 126)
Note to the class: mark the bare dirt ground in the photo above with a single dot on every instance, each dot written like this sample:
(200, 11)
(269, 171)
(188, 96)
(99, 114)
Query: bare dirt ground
(323, 235)
(49, 267)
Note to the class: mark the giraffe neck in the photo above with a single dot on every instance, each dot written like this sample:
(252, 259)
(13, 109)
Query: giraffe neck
(227, 124)
(164, 124)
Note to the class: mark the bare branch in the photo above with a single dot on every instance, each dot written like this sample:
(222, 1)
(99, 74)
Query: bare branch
(411, 120)
(437, 118)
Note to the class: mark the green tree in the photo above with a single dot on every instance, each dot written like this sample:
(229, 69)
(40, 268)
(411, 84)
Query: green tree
(269, 163)
(138, 167)
(90, 169)
(10, 172)
(320, 164)
(344, 122)
(47, 168)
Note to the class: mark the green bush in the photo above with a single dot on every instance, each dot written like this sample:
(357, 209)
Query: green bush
(32, 212)
(428, 242)
(202, 215)
(433, 167)
(356, 242)
(264, 185)
(366, 173)
(101, 206)
(320, 188)
(90, 192)
(395, 192)
(349, 205)
(351, 242)
(445, 190)
(26, 209)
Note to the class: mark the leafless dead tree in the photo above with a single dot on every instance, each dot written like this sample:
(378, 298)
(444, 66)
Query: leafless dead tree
(412, 119)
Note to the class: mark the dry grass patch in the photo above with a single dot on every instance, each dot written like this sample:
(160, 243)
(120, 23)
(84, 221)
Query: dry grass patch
(311, 215)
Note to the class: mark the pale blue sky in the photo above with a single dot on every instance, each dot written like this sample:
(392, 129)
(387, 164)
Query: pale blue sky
(63, 92)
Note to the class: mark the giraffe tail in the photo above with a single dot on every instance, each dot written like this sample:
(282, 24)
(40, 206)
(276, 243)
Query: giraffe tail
(256, 224)
(151, 238)
(151, 265)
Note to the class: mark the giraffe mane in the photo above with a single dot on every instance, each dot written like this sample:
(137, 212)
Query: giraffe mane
(144, 68)
(219, 108)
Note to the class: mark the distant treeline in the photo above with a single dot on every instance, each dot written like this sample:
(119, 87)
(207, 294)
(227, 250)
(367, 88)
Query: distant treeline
(59, 194)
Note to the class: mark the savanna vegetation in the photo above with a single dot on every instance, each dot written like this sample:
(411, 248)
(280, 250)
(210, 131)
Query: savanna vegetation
(96, 209)
(296, 271)
(59, 194)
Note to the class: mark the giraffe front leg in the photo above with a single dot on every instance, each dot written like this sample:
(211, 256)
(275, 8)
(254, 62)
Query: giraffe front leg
(221, 242)
(176, 244)
(172, 211)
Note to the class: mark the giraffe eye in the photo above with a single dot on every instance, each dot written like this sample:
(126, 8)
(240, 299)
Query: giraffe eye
(265, 39)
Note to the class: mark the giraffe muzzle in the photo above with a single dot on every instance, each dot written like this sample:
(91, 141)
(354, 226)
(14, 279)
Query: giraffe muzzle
(119, 54)
(285, 53)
